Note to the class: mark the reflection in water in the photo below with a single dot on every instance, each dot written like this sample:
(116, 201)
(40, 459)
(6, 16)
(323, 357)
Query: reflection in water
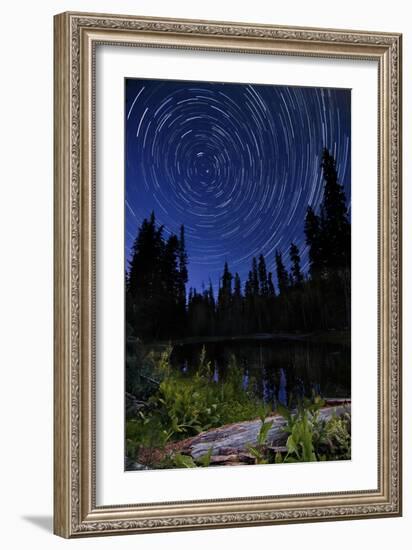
(216, 373)
(245, 382)
(282, 397)
(276, 370)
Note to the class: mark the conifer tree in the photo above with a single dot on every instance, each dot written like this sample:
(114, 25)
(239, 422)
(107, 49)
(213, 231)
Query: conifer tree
(183, 258)
(328, 234)
(224, 301)
(255, 278)
(282, 274)
(314, 242)
(237, 305)
(271, 286)
(237, 291)
(263, 277)
(334, 218)
(296, 272)
(144, 286)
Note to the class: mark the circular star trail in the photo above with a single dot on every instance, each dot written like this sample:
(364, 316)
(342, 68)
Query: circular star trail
(236, 164)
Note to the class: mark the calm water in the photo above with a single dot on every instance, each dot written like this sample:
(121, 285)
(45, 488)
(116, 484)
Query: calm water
(276, 370)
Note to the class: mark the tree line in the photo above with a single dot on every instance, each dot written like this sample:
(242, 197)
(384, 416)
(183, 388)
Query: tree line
(159, 307)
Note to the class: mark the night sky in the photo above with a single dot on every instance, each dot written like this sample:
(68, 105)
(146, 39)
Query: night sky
(237, 164)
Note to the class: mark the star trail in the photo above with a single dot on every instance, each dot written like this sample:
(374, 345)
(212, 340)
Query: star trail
(237, 164)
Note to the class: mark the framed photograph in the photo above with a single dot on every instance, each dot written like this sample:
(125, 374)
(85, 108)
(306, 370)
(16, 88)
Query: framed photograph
(227, 274)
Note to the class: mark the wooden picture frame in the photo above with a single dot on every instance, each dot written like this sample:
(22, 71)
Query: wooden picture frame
(76, 36)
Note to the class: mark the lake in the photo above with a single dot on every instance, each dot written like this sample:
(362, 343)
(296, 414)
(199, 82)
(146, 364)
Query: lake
(276, 369)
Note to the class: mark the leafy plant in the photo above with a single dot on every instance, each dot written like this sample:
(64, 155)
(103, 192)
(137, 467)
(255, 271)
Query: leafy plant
(259, 452)
(337, 438)
(301, 428)
(300, 441)
(312, 438)
(205, 459)
(183, 461)
(179, 460)
(205, 367)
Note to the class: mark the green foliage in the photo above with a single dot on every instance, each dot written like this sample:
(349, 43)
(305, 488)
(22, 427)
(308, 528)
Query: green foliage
(141, 378)
(185, 409)
(180, 406)
(179, 460)
(205, 367)
(183, 406)
(263, 432)
(301, 428)
(300, 442)
(337, 438)
(260, 452)
(312, 438)
(183, 461)
(144, 433)
(205, 459)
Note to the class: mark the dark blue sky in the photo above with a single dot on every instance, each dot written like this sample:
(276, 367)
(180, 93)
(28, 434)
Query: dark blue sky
(237, 164)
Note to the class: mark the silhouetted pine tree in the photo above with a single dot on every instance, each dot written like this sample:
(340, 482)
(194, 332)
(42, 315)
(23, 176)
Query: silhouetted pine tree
(156, 283)
(183, 260)
(237, 306)
(171, 285)
(296, 272)
(255, 278)
(271, 286)
(249, 305)
(197, 314)
(334, 218)
(314, 242)
(282, 274)
(211, 296)
(263, 277)
(183, 275)
(248, 285)
(328, 234)
(224, 301)
(145, 280)
(328, 237)
(237, 291)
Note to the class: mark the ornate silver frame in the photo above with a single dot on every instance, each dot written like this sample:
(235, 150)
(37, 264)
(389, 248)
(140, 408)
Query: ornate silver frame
(76, 36)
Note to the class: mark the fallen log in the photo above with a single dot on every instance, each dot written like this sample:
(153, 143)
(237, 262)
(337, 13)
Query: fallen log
(230, 443)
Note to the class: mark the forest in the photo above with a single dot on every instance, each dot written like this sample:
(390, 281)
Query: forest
(159, 307)
(248, 403)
